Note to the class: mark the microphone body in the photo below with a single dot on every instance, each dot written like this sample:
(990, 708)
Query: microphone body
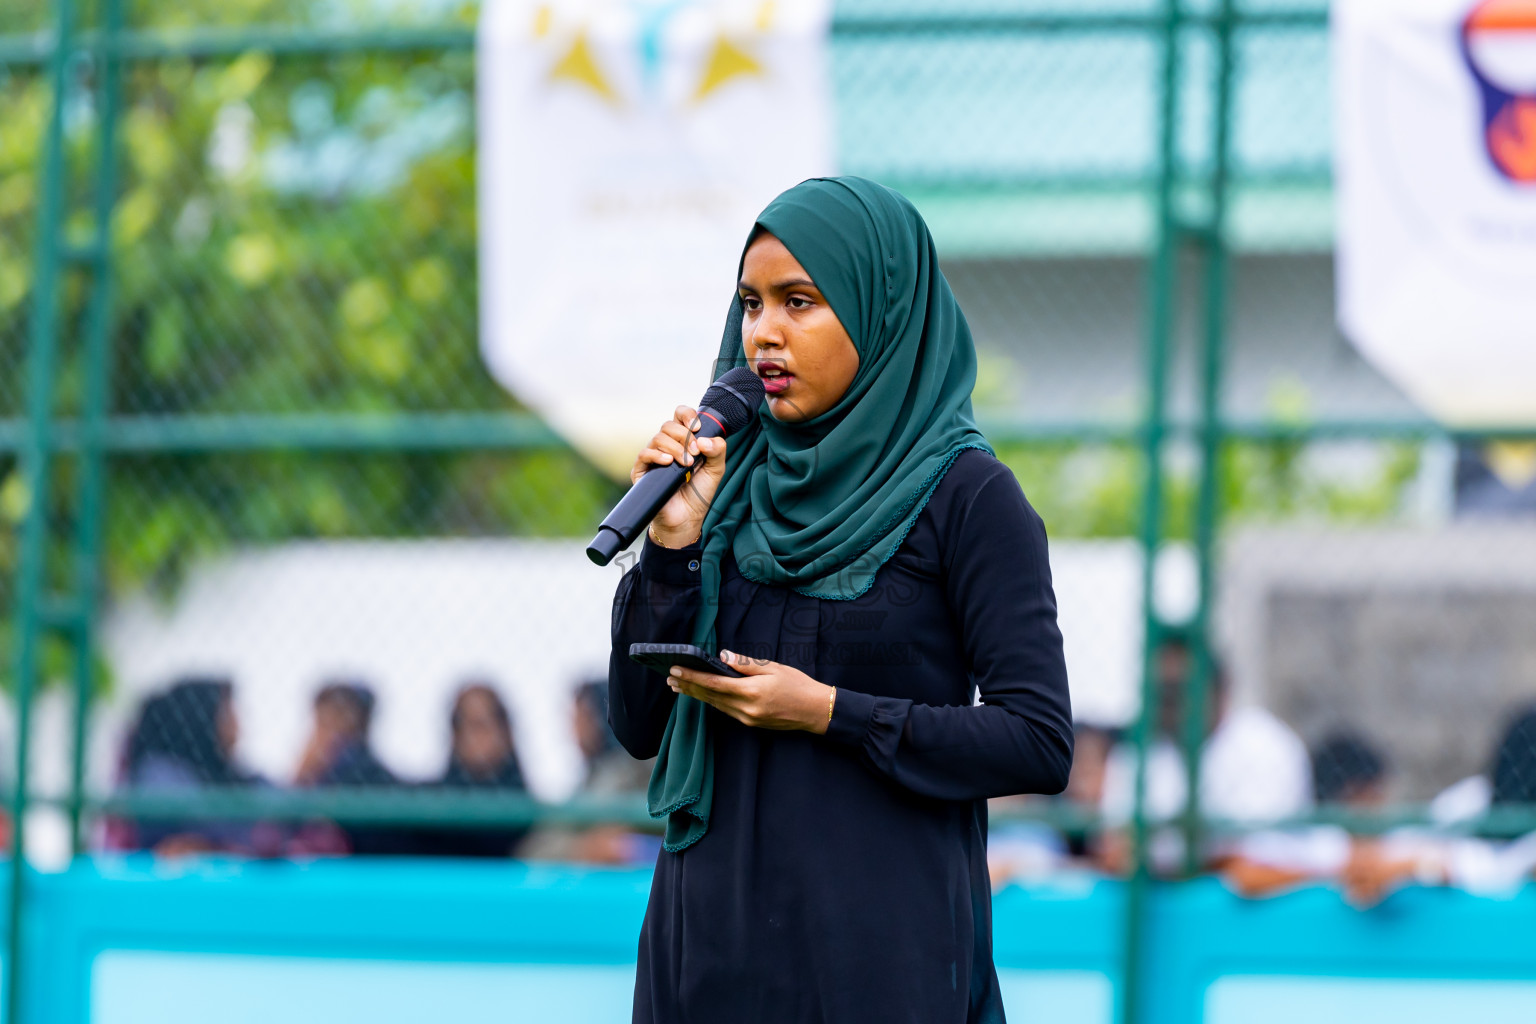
(727, 406)
(636, 509)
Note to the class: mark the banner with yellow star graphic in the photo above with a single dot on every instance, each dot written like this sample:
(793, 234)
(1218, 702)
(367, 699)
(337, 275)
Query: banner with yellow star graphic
(625, 147)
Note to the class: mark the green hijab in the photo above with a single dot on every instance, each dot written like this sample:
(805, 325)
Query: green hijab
(820, 506)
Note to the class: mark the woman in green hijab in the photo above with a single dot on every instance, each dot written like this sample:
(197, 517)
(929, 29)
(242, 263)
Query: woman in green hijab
(869, 566)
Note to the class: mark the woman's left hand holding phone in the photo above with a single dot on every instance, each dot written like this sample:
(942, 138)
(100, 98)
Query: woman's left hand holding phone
(767, 695)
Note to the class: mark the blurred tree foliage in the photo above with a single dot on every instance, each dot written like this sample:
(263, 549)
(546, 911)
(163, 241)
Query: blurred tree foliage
(1094, 490)
(292, 235)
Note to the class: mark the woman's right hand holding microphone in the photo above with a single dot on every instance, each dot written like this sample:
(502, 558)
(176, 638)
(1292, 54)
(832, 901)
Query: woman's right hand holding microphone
(681, 520)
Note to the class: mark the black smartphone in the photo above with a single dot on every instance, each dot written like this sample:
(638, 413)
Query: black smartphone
(661, 657)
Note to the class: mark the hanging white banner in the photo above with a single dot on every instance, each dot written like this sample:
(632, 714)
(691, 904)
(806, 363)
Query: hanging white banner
(625, 147)
(1435, 170)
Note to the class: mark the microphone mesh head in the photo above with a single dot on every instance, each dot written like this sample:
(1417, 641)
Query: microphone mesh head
(735, 397)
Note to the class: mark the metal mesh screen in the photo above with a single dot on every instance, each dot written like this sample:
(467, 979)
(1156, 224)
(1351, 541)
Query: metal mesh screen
(313, 482)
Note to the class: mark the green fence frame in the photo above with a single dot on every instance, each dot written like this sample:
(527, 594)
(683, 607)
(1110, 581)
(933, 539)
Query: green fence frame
(94, 436)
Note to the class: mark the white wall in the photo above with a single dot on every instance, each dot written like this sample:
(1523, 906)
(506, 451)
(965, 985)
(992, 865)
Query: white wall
(416, 618)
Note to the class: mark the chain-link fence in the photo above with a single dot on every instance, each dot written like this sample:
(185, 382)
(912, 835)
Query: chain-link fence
(297, 547)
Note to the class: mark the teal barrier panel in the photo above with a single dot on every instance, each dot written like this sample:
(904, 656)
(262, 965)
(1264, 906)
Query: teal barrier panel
(1423, 956)
(380, 941)
(135, 942)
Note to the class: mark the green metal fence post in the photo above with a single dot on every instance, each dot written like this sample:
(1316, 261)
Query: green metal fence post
(90, 494)
(36, 454)
(1207, 502)
(1161, 308)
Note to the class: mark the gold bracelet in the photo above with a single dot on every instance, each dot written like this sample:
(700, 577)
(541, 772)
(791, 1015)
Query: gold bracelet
(831, 702)
(650, 531)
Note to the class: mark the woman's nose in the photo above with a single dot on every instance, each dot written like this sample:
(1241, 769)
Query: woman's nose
(766, 336)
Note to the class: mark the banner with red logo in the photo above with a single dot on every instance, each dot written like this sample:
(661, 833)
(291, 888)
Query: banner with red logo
(625, 147)
(1435, 178)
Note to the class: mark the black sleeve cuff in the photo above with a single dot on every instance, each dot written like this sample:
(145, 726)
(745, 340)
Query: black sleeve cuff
(678, 567)
(851, 713)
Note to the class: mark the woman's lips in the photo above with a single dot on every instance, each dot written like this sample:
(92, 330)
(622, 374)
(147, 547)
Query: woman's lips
(777, 384)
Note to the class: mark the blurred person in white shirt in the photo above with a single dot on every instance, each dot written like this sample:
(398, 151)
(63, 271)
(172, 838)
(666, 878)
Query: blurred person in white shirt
(1254, 769)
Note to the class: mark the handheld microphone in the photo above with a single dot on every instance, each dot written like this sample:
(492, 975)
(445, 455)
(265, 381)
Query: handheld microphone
(728, 405)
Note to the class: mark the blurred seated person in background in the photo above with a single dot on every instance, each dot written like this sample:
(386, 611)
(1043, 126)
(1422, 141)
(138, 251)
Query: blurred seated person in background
(1349, 773)
(610, 769)
(611, 773)
(1352, 774)
(483, 757)
(339, 754)
(1091, 748)
(184, 740)
(484, 754)
(1498, 867)
(1253, 768)
(1024, 850)
(339, 751)
(1484, 867)
(1514, 763)
(1473, 796)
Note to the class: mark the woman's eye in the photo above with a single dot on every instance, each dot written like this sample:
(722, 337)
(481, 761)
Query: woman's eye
(751, 304)
(798, 302)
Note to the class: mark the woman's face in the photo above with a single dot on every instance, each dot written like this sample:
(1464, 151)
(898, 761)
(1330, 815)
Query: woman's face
(480, 741)
(790, 335)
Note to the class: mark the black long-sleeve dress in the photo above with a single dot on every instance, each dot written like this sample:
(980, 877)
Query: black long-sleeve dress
(843, 878)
